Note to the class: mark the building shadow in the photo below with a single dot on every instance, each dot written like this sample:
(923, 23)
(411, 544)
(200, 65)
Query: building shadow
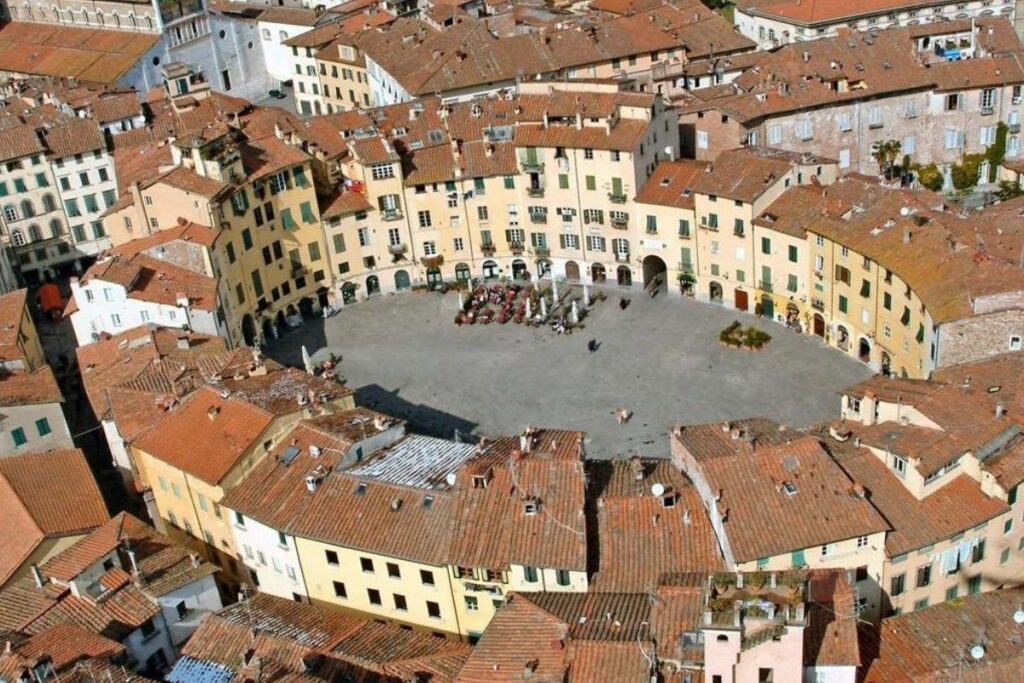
(421, 419)
(287, 348)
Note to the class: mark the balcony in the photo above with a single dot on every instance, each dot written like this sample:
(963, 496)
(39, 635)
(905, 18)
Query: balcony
(541, 252)
(515, 247)
(398, 249)
(391, 215)
(764, 286)
(617, 198)
(531, 166)
(622, 257)
(432, 261)
(535, 192)
(538, 218)
(987, 111)
(1013, 128)
(818, 305)
(620, 223)
(299, 271)
(488, 248)
(684, 267)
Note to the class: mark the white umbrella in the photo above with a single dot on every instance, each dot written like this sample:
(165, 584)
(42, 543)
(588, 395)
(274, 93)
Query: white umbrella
(575, 316)
(529, 308)
(586, 297)
(307, 361)
(554, 289)
(462, 302)
(543, 307)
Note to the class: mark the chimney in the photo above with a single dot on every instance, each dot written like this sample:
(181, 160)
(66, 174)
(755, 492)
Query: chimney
(37, 576)
(184, 342)
(906, 235)
(212, 412)
(1000, 410)
(132, 560)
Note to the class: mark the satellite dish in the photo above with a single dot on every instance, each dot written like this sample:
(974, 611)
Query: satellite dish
(451, 479)
(978, 651)
(905, 211)
(657, 489)
(1018, 616)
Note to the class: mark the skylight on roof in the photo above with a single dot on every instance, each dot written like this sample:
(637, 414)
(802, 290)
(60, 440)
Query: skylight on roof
(361, 488)
(290, 454)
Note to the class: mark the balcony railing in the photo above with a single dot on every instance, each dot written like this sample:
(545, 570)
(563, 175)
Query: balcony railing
(398, 249)
(541, 252)
(683, 267)
(622, 257)
(488, 248)
(535, 191)
(516, 247)
(391, 215)
(432, 261)
(531, 166)
(764, 286)
(617, 197)
(538, 218)
(620, 223)
(298, 271)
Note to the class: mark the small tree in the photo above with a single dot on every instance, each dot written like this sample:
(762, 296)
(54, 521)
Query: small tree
(884, 152)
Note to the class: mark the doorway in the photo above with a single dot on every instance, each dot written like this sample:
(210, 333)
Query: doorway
(864, 351)
(519, 270)
(401, 280)
(624, 276)
(490, 270)
(741, 301)
(819, 325)
(597, 273)
(572, 271)
(433, 277)
(248, 329)
(768, 307)
(715, 292)
(372, 285)
(654, 273)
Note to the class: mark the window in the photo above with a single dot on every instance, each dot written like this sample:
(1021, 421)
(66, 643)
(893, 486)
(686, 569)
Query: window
(899, 464)
(471, 604)
(430, 248)
(828, 549)
(562, 577)
(426, 577)
(424, 219)
(978, 552)
(897, 585)
(921, 604)
(774, 134)
(43, 426)
(400, 603)
(366, 564)
(381, 171)
(393, 571)
(433, 610)
(924, 576)
(373, 595)
(974, 585)
(530, 574)
(843, 306)
(793, 253)
(1007, 526)
(684, 228)
(952, 102)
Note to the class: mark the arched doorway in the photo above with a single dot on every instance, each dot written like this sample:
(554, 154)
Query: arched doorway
(306, 307)
(519, 270)
(348, 293)
(490, 270)
(249, 329)
(768, 307)
(543, 268)
(654, 273)
(572, 271)
(433, 277)
(864, 350)
(793, 318)
(597, 273)
(886, 368)
(323, 297)
(842, 338)
(401, 280)
(268, 330)
(372, 285)
(819, 325)
(624, 276)
(281, 323)
(462, 273)
(715, 292)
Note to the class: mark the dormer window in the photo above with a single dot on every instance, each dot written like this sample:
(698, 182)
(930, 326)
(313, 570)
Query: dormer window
(530, 507)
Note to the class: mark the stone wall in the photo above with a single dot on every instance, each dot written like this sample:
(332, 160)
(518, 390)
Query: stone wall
(978, 337)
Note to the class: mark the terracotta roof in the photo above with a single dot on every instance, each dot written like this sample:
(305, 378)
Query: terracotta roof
(640, 539)
(116, 107)
(88, 54)
(813, 12)
(28, 388)
(152, 279)
(671, 184)
(207, 435)
(743, 174)
(268, 155)
(750, 467)
(1001, 378)
(957, 506)
(19, 141)
(195, 233)
(933, 644)
(830, 638)
(343, 204)
(296, 16)
(12, 308)
(184, 178)
(76, 136)
(277, 390)
(64, 645)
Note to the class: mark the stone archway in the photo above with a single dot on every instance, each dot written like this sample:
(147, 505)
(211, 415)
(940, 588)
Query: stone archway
(597, 273)
(864, 350)
(372, 285)
(490, 270)
(462, 272)
(572, 271)
(715, 292)
(819, 325)
(249, 331)
(433, 277)
(519, 270)
(655, 272)
(348, 293)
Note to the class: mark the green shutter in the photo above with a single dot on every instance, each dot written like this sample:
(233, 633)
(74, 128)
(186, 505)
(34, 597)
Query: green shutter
(762, 562)
(865, 288)
(842, 304)
(286, 219)
(43, 426)
(478, 184)
(41, 180)
(563, 181)
(1012, 496)
(791, 284)
(793, 253)
(591, 182)
(510, 182)
(798, 558)
(307, 213)
(300, 176)
(687, 264)
(766, 245)
(3, 189)
(18, 434)
(905, 318)
(887, 301)
(920, 333)
(616, 186)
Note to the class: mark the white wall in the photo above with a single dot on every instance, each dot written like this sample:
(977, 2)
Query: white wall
(68, 171)
(25, 417)
(200, 597)
(279, 573)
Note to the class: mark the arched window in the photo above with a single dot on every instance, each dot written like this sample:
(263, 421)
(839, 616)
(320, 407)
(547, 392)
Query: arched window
(85, 16)
(10, 212)
(17, 237)
(35, 234)
(56, 228)
(49, 203)
(27, 210)
(117, 18)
